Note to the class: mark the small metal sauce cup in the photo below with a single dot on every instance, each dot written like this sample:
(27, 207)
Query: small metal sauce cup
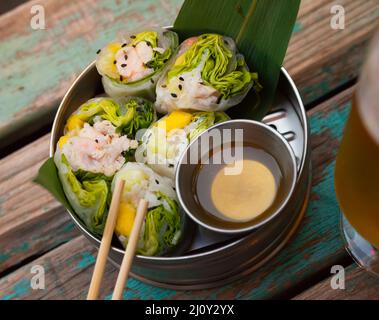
(260, 135)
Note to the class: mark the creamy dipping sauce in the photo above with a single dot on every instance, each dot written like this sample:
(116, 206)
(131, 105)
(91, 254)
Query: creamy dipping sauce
(243, 196)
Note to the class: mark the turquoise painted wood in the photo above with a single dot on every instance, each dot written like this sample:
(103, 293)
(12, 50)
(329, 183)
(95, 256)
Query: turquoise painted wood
(315, 248)
(38, 66)
(31, 221)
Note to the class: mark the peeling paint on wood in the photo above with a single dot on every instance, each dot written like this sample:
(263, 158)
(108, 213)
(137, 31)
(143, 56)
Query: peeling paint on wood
(38, 66)
(359, 285)
(31, 221)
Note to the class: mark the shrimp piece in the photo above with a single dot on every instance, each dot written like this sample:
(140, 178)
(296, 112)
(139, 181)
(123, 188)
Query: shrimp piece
(97, 148)
(130, 61)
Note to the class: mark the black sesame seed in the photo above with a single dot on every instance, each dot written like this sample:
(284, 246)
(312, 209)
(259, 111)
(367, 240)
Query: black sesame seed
(173, 188)
(151, 80)
(123, 65)
(123, 45)
(132, 37)
(174, 95)
(133, 45)
(202, 83)
(121, 78)
(170, 165)
(125, 57)
(159, 198)
(98, 51)
(163, 86)
(181, 78)
(156, 181)
(148, 43)
(180, 87)
(165, 60)
(97, 141)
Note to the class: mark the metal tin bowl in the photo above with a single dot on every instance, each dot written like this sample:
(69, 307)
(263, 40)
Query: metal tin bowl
(253, 132)
(213, 259)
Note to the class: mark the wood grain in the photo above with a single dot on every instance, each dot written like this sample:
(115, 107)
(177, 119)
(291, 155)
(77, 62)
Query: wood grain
(359, 285)
(31, 221)
(38, 66)
(320, 58)
(313, 250)
(77, 256)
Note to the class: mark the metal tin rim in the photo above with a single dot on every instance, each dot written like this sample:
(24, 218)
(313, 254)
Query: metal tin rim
(184, 257)
(271, 216)
(291, 233)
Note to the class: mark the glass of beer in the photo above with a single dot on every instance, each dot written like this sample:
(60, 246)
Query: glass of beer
(357, 168)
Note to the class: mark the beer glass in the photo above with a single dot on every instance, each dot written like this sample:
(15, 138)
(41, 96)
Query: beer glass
(357, 168)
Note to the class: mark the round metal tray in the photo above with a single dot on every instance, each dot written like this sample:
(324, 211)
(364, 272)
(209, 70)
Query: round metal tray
(207, 259)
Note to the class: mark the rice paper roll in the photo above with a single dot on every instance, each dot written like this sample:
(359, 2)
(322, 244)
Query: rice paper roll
(206, 74)
(98, 140)
(163, 144)
(162, 227)
(88, 194)
(133, 65)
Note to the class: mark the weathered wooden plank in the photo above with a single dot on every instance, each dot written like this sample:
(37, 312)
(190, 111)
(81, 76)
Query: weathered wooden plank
(329, 57)
(39, 65)
(359, 285)
(314, 249)
(31, 221)
(75, 256)
(9, 5)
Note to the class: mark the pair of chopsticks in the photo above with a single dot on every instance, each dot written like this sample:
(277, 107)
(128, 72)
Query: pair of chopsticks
(102, 255)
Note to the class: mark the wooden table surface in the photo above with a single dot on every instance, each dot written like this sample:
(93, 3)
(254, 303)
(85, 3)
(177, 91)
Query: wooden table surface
(39, 65)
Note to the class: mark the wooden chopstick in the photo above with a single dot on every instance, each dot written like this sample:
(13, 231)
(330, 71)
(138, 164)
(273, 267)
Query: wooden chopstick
(106, 240)
(130, 250)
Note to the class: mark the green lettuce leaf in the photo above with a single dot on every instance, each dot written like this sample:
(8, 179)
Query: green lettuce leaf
(162, 228)
(221, 71)
(88, 194)
(159, 59)
(143, 116)
(128, 116)
(205, 120)
(148, 36)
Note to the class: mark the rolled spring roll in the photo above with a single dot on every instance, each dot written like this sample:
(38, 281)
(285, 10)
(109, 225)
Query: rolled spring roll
(162, 228)
(163, 144)
(98, 140)
(206, 74)
(132, 66)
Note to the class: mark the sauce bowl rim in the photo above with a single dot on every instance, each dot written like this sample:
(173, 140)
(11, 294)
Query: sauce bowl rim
(254, 225)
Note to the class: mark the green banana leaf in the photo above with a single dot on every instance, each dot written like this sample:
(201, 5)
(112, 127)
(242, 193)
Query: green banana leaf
(261, 29)
(47, 177)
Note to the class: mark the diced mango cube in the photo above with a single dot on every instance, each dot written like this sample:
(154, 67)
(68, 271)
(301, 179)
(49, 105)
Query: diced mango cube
(62, 141)
(175, 120)
(74, 122)
(125, 219)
